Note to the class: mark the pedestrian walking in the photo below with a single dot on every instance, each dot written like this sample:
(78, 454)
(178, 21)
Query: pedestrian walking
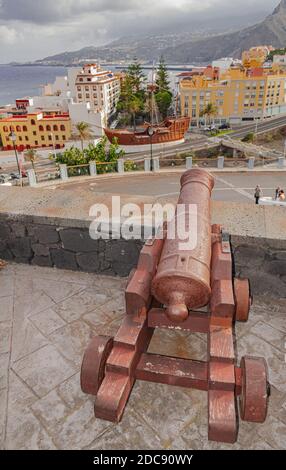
(257, 194)
(282, 196)
(277, 193)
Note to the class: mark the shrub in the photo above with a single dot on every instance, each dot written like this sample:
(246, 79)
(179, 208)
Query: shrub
(249, 137)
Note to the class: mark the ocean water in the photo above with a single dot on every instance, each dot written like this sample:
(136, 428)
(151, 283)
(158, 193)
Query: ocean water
(20, 81)
(17, 82)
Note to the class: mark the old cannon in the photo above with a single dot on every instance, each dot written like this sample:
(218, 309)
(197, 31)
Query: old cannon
(183, 289)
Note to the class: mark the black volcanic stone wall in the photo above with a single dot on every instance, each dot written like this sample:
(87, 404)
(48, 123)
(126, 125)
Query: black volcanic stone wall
(50, 242)
(65, 248)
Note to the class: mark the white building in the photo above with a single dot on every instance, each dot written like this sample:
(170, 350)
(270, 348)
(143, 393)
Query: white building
(81, 112)
(100, 88)
(279, 60)
(223, 64)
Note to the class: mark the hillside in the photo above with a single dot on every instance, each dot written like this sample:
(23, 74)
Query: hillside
(186, 47)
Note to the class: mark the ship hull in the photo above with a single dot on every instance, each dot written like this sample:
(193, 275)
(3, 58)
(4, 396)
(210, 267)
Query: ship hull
(171, 132)
(146, 148)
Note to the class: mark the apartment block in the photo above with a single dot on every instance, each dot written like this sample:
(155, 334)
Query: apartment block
(239, 95)
(35, 130)
(100, 88)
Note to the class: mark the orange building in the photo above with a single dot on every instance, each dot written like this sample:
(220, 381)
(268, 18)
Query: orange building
(35, 130)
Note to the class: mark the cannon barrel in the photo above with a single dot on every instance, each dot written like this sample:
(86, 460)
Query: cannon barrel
(182, 281)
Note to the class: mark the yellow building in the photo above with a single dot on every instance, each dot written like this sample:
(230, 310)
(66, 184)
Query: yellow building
(256, 56)
(35, 130)
(240, 95)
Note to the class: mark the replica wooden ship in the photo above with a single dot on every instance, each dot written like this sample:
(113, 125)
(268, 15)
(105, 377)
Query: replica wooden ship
(171, 131)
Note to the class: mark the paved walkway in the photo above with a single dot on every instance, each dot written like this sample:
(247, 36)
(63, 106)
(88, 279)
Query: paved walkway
(46, 319)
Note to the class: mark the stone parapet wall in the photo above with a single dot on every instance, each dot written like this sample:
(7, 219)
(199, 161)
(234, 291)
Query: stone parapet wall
(263, 261)
(66, 244)
(26, 240)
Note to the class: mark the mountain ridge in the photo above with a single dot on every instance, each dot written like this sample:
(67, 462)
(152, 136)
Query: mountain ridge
(185, 47)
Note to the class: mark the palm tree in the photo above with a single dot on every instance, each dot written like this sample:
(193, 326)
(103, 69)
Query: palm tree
(31, 156)
(210, 110)
(83, 132)
(134, 107)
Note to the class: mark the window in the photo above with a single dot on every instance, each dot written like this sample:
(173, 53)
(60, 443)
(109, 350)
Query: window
(79, 96)
(55, 128)
(26, 138)
(63, 128)
(87, 95)
(20, 138)
(5, 129)
(78, 88)
(24, 128)
(86, 88)
(49, 128)
(43, 137)
(57, 137)
(33, 122)
(41, 128)
(50, 137)
(34, 133)
(18, 128)
(36, 142)
(64, 137)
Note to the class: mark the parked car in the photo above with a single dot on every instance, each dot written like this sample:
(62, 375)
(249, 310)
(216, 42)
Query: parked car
(224, 126)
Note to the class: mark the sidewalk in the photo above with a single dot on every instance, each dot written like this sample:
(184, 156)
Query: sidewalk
(47, 318)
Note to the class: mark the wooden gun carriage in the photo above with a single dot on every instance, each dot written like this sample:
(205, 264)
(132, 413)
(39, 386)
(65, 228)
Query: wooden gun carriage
(193, 290)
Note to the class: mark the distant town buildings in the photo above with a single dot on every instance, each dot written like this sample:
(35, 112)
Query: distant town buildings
(87, 94)
(241, 93)
(256, 56)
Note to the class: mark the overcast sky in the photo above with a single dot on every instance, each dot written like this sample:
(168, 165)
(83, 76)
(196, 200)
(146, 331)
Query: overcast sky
(33, 29)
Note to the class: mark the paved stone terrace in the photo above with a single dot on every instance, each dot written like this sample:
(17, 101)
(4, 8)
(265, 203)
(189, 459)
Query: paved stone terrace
(46, 319)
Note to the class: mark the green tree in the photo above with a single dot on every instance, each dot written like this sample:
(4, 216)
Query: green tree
(83, 132)
(164, 101)
(162, 80)
(135, 105)
(133, 94)
(31, 156)
(209, 111)
(137, 77)
(163, 95)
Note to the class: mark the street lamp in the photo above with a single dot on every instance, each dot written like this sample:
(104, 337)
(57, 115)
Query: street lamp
(151, 132)
(13, 138)
(54, 145)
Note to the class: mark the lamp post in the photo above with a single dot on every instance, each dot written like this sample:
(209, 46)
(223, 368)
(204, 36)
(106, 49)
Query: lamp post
(151, 132)
(54, 145)
(13, 138)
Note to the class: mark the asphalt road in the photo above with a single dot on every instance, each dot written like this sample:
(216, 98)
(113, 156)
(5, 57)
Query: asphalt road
(266, 125)
(234, 187)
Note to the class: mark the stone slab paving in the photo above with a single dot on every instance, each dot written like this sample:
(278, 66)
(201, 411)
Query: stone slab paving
(47, 317)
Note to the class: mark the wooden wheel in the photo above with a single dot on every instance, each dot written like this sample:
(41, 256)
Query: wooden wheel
(255, 389)
(243, 299)
(93, 364)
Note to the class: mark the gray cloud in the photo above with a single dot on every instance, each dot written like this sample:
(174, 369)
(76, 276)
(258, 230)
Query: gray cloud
(31, 29)
(42, 11)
